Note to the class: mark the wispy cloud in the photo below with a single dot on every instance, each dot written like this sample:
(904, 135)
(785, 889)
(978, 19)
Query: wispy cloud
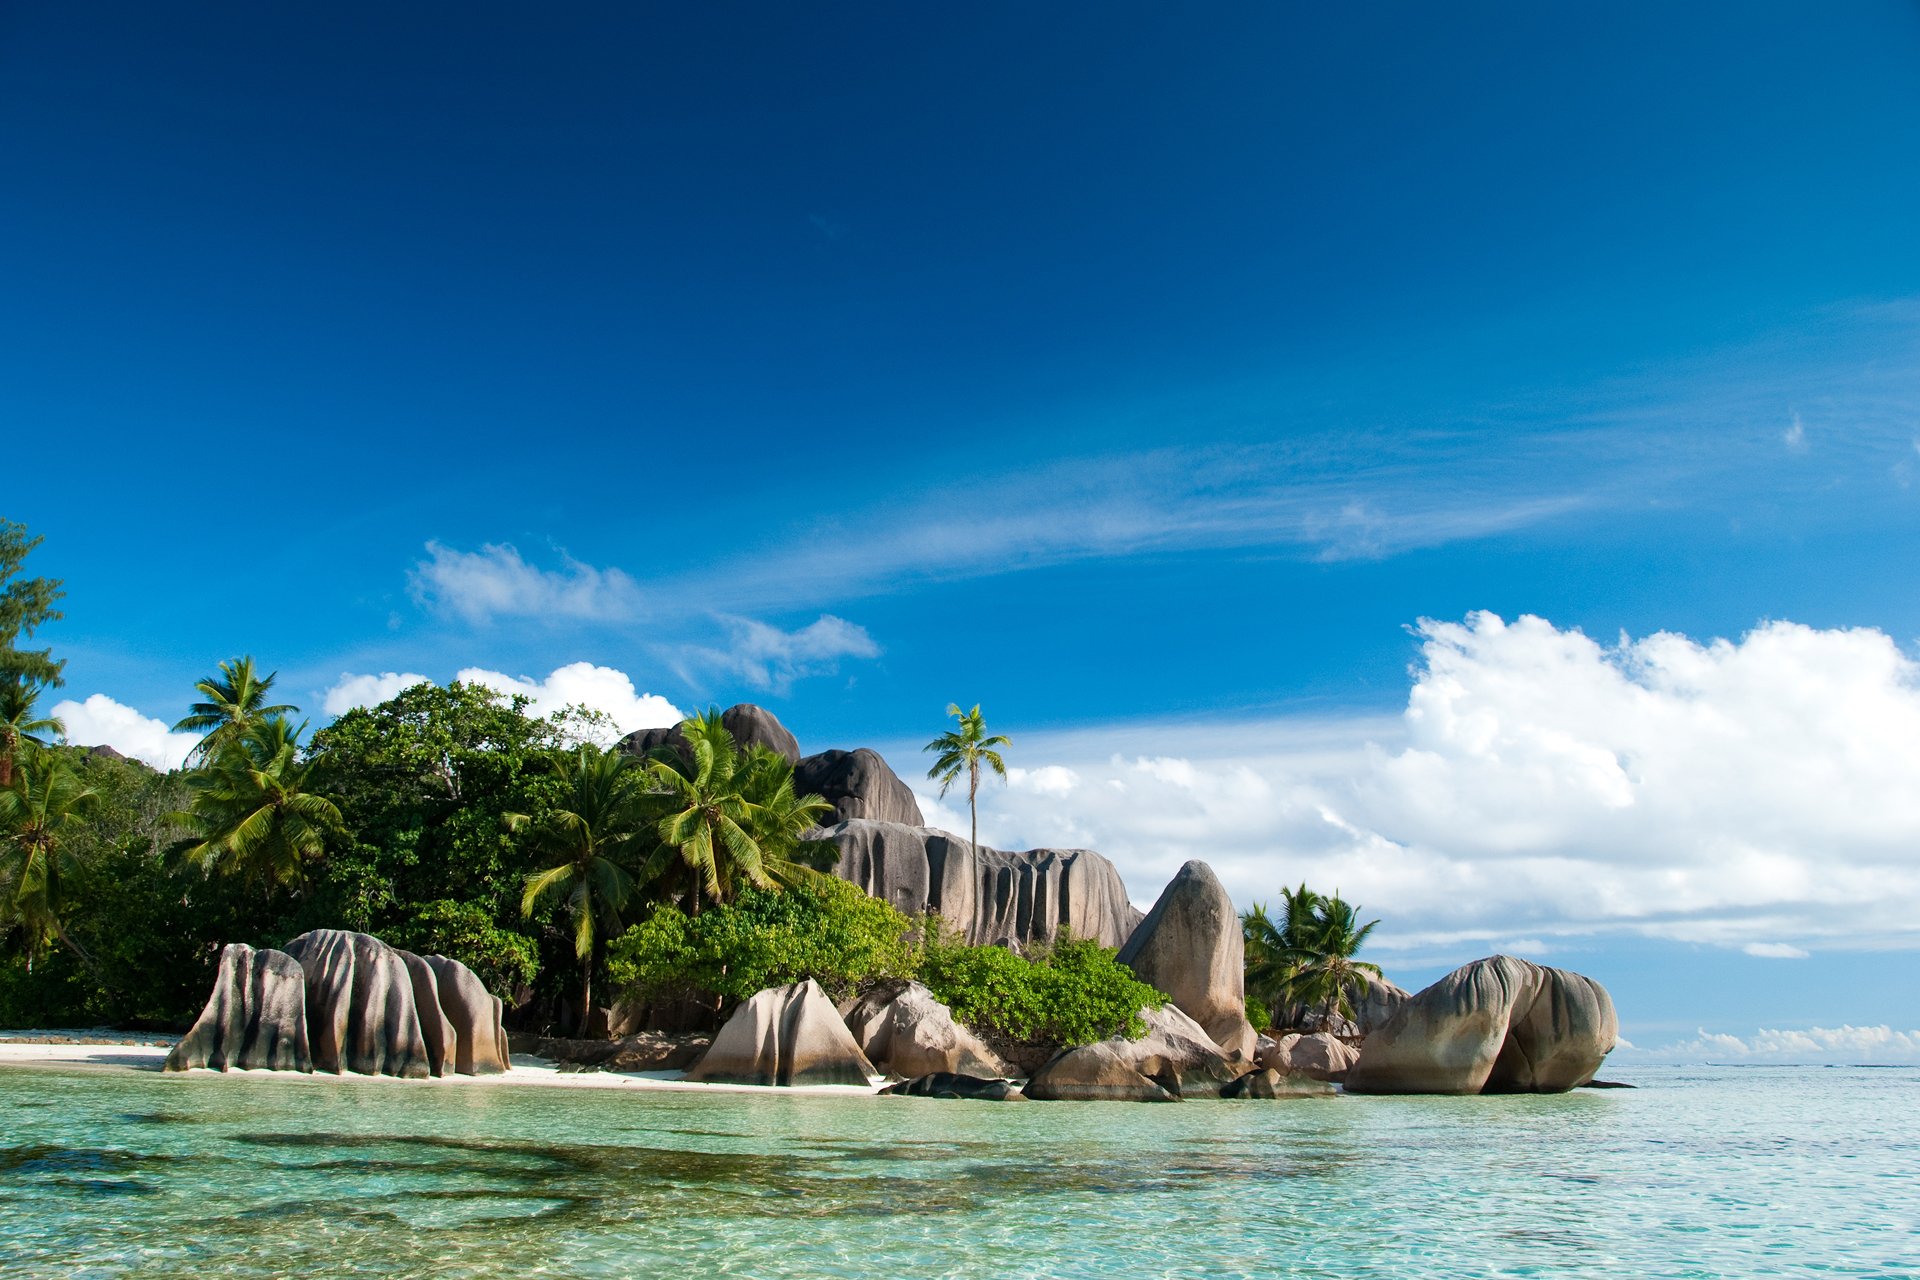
(496, 582)
(1844, 1045)
(768, 658)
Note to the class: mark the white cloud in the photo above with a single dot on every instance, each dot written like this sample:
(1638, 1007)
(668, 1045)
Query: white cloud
(765, 657)
(1775, 951)
(1752, 794)
(367, 690)
(583, 684)
(1816, 1046)
(100, 721)
(496, 582)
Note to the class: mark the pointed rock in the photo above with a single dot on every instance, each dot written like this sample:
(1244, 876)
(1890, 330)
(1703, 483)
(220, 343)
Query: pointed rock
(1190, 946)
(785, 1036)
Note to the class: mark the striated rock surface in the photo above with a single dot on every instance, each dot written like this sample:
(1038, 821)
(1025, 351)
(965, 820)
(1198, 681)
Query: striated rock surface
(858, 784)
(256, 1018)
(361, 1014)
(944, 1084)
(474, 1016)
(1190, 946)
(1318, 1056)
(785, 1036)
(905, 1031)
(1496, 1025)
(747, 723)
(436, 1029)
(1269, 1083)
(986, 894)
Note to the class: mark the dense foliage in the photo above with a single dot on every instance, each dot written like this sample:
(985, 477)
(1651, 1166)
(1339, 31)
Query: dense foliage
(1072, 992)
(1301, 967)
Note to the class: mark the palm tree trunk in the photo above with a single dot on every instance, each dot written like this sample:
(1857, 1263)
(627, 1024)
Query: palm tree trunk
(973, 805)
(586, 996)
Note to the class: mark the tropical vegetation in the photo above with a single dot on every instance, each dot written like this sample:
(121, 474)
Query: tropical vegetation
(1301, 969)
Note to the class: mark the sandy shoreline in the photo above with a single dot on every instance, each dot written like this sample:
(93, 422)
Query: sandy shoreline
(527, 1070)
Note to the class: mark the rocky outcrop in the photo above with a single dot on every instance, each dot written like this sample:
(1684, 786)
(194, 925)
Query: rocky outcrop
(1190, 946)
(749, 725)
(1370, 1012)
(785, 1036)
(1098, 1073)
(474, 1014)
(1318, 1056)
(905, 1032)
(256, 1019)
(858, 784)
(1498, 1025)
(436, 1029)
(361, 1015)
(987, 895)
(1268, 1083)
(943, 1084)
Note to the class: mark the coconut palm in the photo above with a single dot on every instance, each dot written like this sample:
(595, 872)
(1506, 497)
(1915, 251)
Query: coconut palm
(41, 810)
(20, 722)
(709, 823)
(1305, 959)
(236, 700)
(597, 844)
(251, 813)
(781, 821)
(963, 751)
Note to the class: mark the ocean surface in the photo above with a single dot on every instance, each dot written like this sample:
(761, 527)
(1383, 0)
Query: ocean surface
(1700, 1172)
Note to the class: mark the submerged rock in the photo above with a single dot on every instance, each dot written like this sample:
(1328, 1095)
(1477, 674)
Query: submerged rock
(1191, 947)
(903, 1030)
(785, 1036)
(1102, 1073)
(1318, 1056)
(256, 1018)
(1269, 1083)
(361, 1014)
(1498, 1025)
(948, 1084)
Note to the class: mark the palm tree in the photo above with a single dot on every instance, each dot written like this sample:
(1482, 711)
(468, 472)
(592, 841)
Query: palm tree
(236, 700)
(44, 805)
(963, 750)
(1305, 960)
(251, 813)
(20, 722)
(709, 822)
(597, 847)
(780, 821)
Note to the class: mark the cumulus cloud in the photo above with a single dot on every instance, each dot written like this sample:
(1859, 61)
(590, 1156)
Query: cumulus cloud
(367, 690)
(1816, 1046)
(766, 657)
(1754, 794)
(583, 684)
(100, 721)
(496, 582)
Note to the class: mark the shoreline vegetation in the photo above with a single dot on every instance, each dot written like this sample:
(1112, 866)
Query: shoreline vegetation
(422, 877)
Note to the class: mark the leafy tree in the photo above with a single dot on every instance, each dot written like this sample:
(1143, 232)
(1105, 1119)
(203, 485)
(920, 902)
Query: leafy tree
(820, 928)
(21, 723)
(1073, 992)
(593, 841)
(501, 958)
(41, 813)
(963, 751)
(253, 813)
(26, 604)
(1305, 960)
(236, 701)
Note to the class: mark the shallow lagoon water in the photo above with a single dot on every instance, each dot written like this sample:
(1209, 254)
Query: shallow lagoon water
(1707, 1172)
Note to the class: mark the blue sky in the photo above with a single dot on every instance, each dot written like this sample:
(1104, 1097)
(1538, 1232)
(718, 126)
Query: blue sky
(1144, 375)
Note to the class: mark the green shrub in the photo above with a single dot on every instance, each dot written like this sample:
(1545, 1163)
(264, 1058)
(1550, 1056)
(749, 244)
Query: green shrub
(824, 929)
(500, 958)
(1257, 1014)
(1073, 992)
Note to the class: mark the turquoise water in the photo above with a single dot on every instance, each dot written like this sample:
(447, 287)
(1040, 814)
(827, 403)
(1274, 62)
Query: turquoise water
(1711, 1173)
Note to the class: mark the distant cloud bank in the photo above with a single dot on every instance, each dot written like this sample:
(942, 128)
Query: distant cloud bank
(98, 721)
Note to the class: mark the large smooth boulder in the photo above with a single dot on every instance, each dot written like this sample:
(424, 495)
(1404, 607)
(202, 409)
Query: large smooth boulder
(1190, 946)
(474, 1015)
(436, 1029)
(361, 1013)
(1176, 1042)
(1269, 1083)
(749, 725)
(785, 1036)
(904, 1031)
(858, 784)
(1498, 1025)
(1098, 1073)
(256, 1018)
(988, 895)
(1318, 1056)
(944, 1084)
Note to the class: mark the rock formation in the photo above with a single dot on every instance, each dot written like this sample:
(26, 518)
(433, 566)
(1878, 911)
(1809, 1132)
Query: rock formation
(1175, 1056)
(989, 896)
(1370, 1012)
(1097, 1073)
(436, 1029)
(255, 1020)
(480, 1041)
(1318, 1056)
(903, 1030)
(944, 1084)
(785, 1036)
(1498, 1025)
(858, 784)
(1190, 947)
(1268, 1083)
(361, 1015)
(747, 723)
